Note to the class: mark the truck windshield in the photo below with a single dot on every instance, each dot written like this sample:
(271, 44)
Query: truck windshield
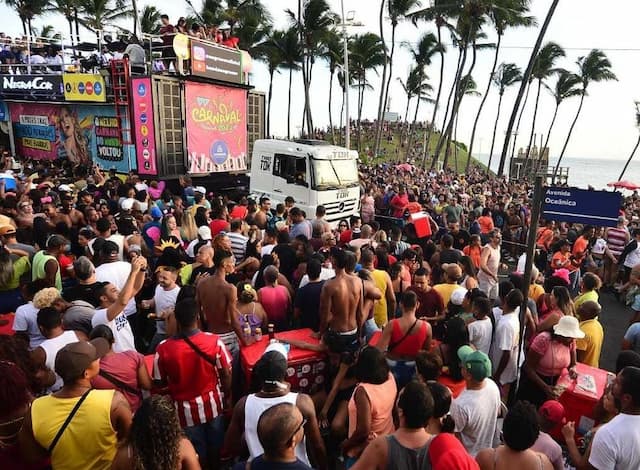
(334, 174)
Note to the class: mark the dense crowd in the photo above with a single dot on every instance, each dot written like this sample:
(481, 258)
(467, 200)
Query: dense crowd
(430, 362)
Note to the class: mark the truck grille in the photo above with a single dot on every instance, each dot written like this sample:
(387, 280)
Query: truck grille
(339, 209)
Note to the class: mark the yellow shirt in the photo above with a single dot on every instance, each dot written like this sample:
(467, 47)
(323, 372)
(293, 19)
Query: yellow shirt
(380, 306)
(88, 442)
(535, 291)
(591, 344)
(582, 298)
(445, 291)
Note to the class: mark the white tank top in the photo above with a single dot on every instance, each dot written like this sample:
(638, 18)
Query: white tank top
(253, 408)
(51, 348)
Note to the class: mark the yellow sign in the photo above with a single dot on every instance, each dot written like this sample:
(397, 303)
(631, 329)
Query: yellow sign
(84, 87)
(181, 46)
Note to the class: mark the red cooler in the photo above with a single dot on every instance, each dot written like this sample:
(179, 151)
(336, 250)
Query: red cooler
(305, 368)
(581, 395)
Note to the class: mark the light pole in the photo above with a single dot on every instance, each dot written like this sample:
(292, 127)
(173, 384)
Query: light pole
(346, 21)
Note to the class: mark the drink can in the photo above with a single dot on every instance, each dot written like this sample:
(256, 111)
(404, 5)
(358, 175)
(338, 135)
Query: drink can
(258, 333)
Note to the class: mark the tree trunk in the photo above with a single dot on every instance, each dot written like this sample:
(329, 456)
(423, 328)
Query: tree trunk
(360, 96)
(447, 126)
(630, 158)
(270, 94)
(533, 125)
(455, 143)
(427, 140)
(524, 106)
(406, 120)
(289, 106)
(484, 100)
(77, 22)
(495, 129)
(390, 76)
(73, 43)
(413, 128)
(333, 133)
(553, 120)
(136, 18)
(342, 139)
(449, 103)
(381, 102)
(525, 80)
(566, 142)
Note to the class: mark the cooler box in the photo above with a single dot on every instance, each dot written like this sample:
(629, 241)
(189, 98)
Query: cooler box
(305, 368)
(420, 221)
(9, 181)
(6, 324)
(581, 395)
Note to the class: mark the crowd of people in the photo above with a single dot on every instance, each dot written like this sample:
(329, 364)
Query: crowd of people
(430, 360)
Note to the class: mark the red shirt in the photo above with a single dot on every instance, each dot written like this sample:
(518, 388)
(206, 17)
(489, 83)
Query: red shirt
(194, 384)
(124, 367)
(217, 226)
(431, 302)
(345, 237)
(399, 203)
(239, 212)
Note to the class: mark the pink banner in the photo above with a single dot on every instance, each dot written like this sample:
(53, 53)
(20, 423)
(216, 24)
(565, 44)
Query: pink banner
(143, 127)
(216, 123)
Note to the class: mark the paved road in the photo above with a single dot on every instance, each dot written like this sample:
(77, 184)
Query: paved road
(615, 318)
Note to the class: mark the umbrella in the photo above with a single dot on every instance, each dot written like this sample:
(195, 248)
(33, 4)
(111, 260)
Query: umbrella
(405, 167)
(625, 184)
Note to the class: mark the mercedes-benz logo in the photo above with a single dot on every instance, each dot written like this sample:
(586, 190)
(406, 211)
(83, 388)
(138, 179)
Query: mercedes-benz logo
(341, 207)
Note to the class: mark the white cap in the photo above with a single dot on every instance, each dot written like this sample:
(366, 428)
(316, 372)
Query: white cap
(127, 204)
(204, 232)
(457, 296)
(65, 188)
(141, 187)
(278, 347)
(200, 189)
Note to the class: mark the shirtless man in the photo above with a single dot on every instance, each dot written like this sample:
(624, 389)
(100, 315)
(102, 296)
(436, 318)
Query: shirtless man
(68, 209)
(489, 265)
(54, 217)
(263, 215)
(217, 303)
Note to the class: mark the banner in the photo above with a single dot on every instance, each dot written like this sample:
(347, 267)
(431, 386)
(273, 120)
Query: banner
(582, 206)
(216, 62)
(83, 134)
(143, 126)
(32, 87)
(84, 87)
(216, 124)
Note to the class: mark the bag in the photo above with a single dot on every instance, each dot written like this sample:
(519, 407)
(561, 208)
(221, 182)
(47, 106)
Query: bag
(67, 421)
(199, 351)
(119, 383)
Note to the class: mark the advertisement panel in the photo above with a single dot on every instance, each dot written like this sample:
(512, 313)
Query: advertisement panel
(216, 62)
(32, 87)
(216, 124)
(143, 127)
(80, 133)
(599, 208)
(84, 87)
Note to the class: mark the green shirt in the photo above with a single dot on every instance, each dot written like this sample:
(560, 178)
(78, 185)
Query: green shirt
(39, 262)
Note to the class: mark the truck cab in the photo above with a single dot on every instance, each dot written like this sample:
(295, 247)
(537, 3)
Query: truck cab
(313, 172)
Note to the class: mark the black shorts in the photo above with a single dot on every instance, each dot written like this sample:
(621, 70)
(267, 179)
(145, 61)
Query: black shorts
(346, 345)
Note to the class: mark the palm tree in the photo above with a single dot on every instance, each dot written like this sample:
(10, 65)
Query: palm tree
(66, 8)
(332, 52)
(252, 30)
(27, 10)
(150, 20)
(270, 51)
(594, 67)
(313, 22)
(424, 52)
(291, 57)
(503, 14)
(99, 14)
(45, 32)
(506, 76)
(567, 85)
(397, 10)
(635, 148)
(439, 12)
(527, 74)
(469, 88)
(366, 53)
(409, 92)
(236, 12)
(543, 68)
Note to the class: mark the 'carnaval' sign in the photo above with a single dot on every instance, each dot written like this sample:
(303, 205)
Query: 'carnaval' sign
(83, 134)
(216, 123)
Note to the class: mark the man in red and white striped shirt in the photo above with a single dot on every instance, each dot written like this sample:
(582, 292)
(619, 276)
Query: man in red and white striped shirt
(196, 367)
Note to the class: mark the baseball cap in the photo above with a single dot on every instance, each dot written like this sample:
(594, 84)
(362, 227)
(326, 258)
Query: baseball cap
(7, 229)
(74, 358)
(200, 189)
(65, 188)
(458, 295)
(204, 232)
(552, 411)
(156, 213)
(475, 362)
(127, 204)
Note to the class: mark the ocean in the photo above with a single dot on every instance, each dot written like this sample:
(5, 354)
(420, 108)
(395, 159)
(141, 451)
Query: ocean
(583, 172)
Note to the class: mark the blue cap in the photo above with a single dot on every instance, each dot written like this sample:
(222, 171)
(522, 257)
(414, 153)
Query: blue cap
(156, 213)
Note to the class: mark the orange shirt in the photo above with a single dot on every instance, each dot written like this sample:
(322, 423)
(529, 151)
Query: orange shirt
(580, 249)
(486, 224)
(561, 260)
(473, 252)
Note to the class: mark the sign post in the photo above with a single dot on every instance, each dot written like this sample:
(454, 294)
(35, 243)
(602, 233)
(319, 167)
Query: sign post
(599, 208)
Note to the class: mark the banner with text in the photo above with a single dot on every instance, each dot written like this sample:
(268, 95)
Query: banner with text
(599, 208)
(143, 126)
(84, 87)
(32, 87)
(216, 124)
(83, 134)
(216, 62)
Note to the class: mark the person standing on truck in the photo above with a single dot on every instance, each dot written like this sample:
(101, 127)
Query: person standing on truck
(264, 213)
(168, 32)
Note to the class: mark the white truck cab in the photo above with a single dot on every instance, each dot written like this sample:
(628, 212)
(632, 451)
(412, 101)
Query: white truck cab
(313, 172)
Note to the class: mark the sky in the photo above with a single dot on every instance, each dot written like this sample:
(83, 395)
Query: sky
(606, 128)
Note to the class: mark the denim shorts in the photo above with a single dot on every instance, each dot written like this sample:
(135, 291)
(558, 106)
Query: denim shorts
(206, 436)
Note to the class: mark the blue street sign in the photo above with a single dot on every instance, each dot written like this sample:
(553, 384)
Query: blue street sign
(599, 208)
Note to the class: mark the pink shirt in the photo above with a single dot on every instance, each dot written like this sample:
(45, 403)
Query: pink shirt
(276, 302)
(555, 355)
(123, 366)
